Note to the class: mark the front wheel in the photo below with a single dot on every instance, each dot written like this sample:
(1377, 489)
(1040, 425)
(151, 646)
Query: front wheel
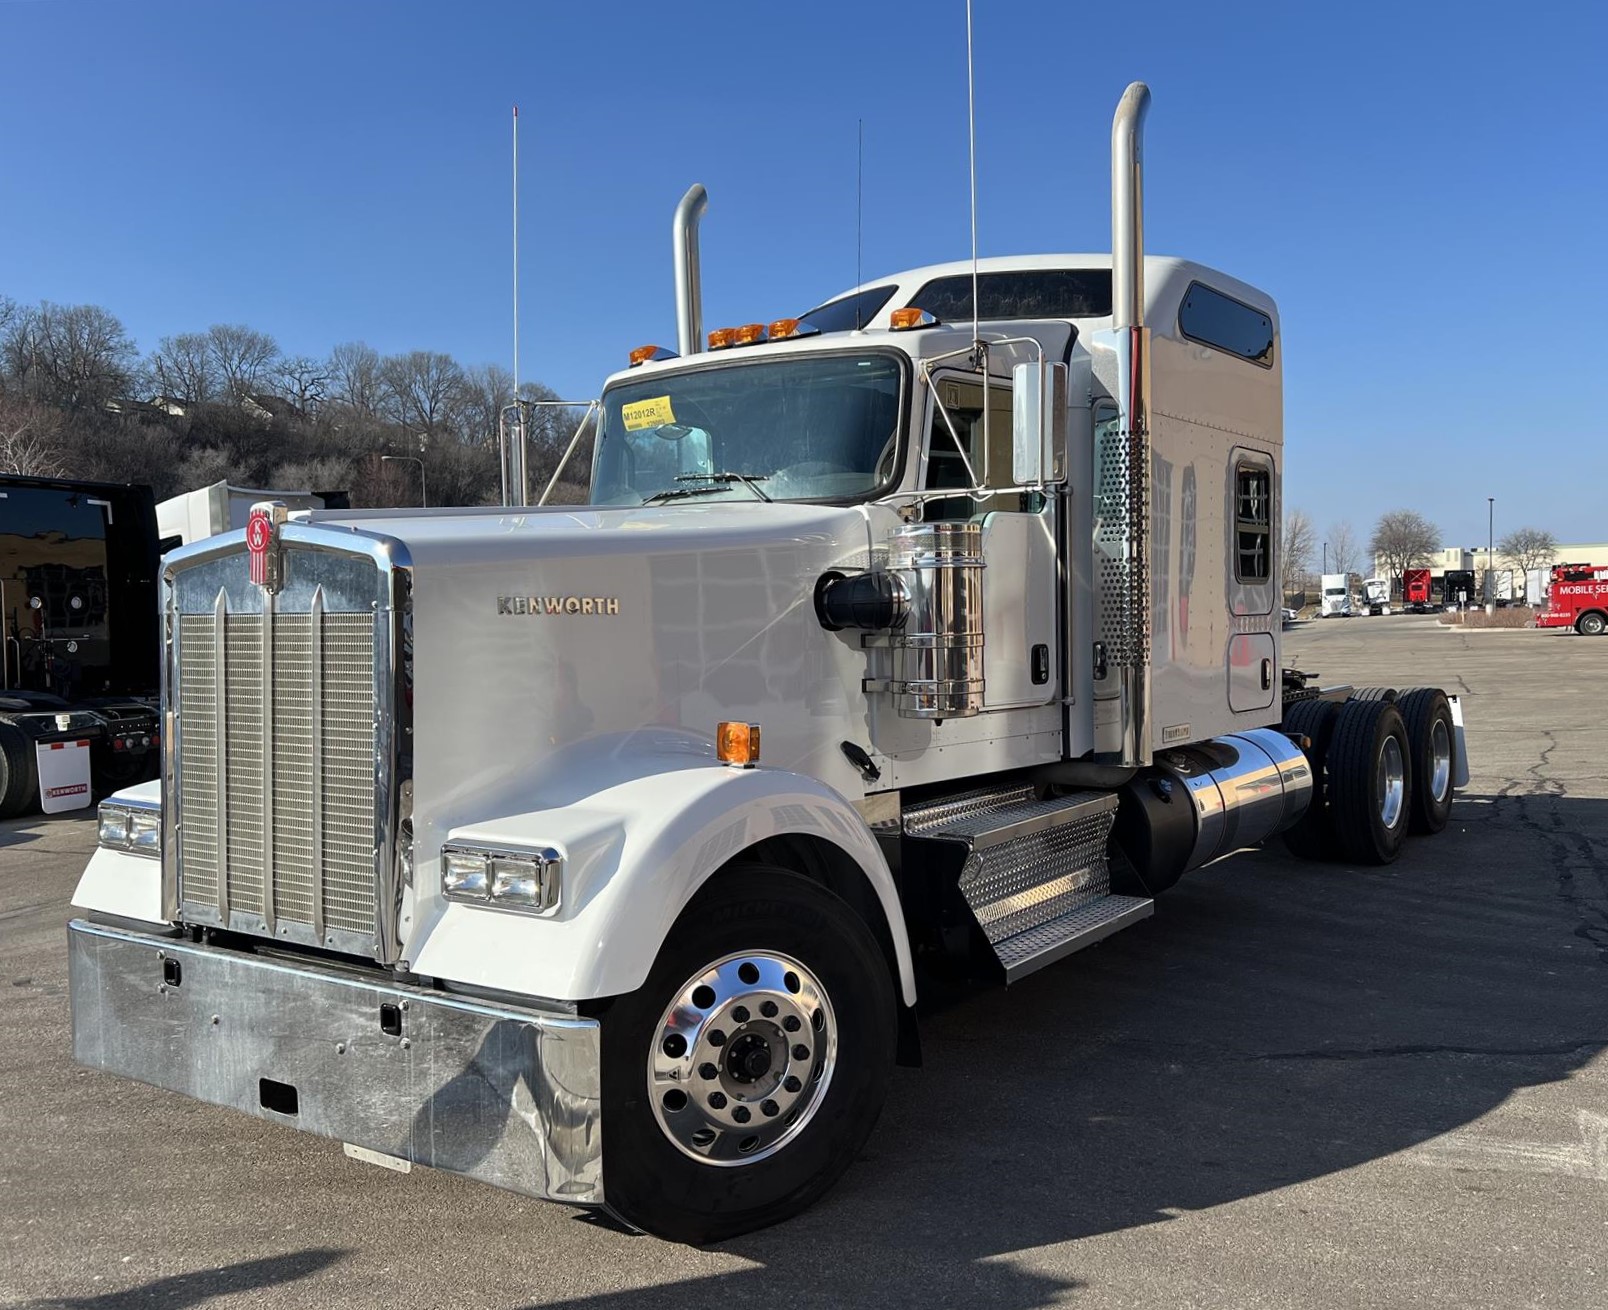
(1591, 624)
(742, 1078)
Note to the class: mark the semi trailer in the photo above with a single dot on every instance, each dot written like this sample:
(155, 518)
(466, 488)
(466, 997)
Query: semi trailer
(1415, 590)
(78, 641)
(604, 852)
(1458, 588)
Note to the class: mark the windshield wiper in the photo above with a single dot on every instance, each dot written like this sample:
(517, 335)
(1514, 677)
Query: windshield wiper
(720, 481)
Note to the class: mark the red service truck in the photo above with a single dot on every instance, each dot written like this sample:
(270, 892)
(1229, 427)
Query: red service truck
(1578, 599)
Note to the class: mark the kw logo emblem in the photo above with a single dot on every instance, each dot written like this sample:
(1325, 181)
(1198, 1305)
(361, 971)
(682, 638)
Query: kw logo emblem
(558, 605)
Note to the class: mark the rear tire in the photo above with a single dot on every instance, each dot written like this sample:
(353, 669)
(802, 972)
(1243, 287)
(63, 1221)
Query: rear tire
(1591, 624)
(710, 1005)
(1312, 836)
(1374, 693)
(19, 778)
(1370, 781)
(1432, 737)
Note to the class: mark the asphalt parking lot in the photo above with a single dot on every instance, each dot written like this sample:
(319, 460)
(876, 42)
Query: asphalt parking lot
(1296, 1085)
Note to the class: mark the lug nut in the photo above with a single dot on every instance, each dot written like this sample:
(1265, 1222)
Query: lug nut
(742, 1114)
(769, 1109)
(801, 1052)
(717, 1100)
(791, 1023)
(768, 1009)
(708, 1071)
(739, 1014)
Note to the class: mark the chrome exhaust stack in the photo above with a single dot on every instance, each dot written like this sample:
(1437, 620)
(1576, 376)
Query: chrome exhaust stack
(1122, 465)
(689, 278)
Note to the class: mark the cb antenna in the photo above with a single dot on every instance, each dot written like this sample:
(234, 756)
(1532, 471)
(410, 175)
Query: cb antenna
(859, 221)
(971, 141)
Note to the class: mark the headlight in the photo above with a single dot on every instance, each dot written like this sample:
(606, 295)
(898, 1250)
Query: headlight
(136, 829)
(513, 879)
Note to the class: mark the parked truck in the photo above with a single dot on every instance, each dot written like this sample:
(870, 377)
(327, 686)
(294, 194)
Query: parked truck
(1578, 599)
(78, 641)
(220, 507)
(1415, 590)
(1458, 588)
(1376, 595)
(603, 852)
(1335, 599)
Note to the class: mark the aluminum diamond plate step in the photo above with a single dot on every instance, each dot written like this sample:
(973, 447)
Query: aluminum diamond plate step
(1034, 870)
(1084, 926)
(995, 815)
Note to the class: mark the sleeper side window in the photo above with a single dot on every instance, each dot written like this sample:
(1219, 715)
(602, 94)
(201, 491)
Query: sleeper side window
(1253, 524)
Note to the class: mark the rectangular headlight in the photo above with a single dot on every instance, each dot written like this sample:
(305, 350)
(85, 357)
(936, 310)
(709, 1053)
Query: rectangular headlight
(465, 875)
(513, 879)
(133, 829)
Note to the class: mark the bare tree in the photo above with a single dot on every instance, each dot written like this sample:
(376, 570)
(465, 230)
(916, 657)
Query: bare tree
(1529, 548)
(422, 387)
(303, 381)
(74, 356)
(182, 368)
(243, 358)
(1343, 548)
(1404, 539)
(31, 440)
(481, 399)
(355, 381)
(1297, 550)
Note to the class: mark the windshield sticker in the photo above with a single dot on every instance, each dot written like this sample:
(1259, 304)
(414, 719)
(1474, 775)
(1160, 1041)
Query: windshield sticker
(651, 413)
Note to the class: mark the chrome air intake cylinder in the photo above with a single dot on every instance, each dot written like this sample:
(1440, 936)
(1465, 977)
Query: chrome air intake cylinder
(938, 650)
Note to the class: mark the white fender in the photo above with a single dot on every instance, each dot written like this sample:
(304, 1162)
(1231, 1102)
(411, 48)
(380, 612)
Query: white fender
(634, 851)
(129, 886)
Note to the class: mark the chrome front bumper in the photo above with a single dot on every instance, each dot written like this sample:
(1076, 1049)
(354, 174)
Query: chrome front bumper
(503, 1095)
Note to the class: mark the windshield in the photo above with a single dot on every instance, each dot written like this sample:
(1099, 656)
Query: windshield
(821, 427)
(1335, 591)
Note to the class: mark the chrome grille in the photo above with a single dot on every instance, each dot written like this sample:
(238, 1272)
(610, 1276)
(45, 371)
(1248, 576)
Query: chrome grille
(277, 765)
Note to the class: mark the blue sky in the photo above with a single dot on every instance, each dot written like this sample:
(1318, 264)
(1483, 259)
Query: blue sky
(1422, 187)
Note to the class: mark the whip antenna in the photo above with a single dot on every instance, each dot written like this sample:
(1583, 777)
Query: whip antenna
(859, 221)
(971, 141)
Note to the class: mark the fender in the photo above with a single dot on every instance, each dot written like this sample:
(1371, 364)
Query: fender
(120, 884)
(635, 851)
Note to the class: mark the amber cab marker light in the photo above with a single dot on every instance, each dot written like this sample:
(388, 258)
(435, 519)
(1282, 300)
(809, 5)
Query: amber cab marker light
(737, 743)
(910, 317)
(750, 334)
(720, 338)
(642, 354)
(783, 328)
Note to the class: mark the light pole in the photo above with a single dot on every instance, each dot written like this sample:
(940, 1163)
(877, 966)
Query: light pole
(424, 496)
(1490, 544)
(1326, 557)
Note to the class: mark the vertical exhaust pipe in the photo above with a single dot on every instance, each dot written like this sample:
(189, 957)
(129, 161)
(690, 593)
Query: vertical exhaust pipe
(1127, 463)
(1128, 208)
(689, 278)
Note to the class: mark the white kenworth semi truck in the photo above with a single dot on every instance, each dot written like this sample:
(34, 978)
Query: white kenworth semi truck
(601, 852)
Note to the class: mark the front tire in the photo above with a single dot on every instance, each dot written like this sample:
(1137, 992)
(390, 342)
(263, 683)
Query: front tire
(743, 1077)
(1591, 624)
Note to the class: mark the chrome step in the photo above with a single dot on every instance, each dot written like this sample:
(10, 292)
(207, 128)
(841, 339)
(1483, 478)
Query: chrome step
(1089, 923)
(1034, 871)
(995, 815)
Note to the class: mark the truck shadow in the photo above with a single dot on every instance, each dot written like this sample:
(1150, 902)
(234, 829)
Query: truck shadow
(203, 1285)
(1275, 1022)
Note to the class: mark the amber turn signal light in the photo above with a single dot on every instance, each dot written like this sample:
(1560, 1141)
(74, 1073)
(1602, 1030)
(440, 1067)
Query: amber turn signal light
(737, 743)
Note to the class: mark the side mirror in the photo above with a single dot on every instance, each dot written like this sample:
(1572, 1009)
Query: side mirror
(1038, 424)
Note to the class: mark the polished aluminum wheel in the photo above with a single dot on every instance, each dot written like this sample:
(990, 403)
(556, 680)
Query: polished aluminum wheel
(1440, 761)
(1392, 781)
(741, 1058)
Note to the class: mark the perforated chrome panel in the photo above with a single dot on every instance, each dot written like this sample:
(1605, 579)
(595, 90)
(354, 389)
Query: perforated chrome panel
(1121, 506)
